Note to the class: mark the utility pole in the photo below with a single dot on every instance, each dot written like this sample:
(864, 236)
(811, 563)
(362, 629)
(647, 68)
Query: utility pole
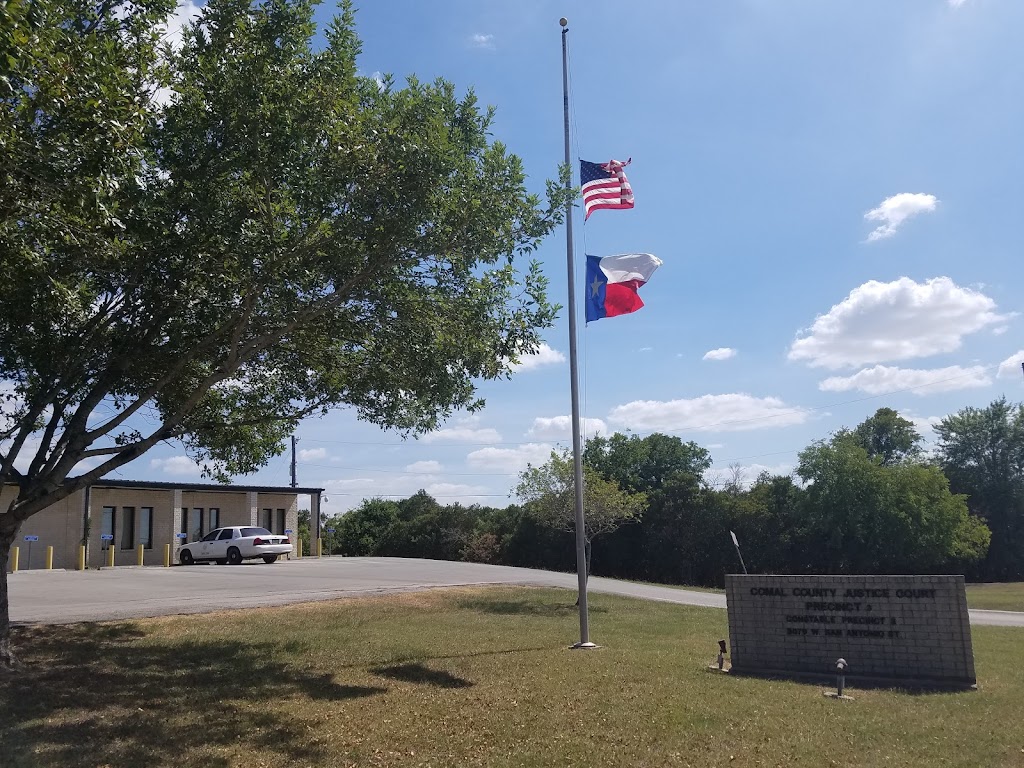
(295, 482)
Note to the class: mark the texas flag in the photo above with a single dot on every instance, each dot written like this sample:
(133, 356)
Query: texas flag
(613, 282)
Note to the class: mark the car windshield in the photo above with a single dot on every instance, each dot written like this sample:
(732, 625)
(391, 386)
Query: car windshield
(256, 532)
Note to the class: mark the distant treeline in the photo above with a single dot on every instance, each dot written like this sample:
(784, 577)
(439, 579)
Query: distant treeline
(866, 500)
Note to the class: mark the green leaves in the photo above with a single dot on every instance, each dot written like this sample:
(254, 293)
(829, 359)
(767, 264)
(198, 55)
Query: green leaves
(273, 236)
(548, 491)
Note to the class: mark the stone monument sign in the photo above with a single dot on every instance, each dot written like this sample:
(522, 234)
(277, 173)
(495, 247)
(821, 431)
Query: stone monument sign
(904, 629)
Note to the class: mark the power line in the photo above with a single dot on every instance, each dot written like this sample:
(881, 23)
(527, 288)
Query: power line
(410, 472)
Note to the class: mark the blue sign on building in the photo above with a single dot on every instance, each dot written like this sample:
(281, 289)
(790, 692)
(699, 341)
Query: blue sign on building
(31, 538)
(107, 537)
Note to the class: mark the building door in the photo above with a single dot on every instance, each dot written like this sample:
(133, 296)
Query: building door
(195, 528)
(107, 523)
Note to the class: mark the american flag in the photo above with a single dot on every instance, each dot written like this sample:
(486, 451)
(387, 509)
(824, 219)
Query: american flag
(605, 186)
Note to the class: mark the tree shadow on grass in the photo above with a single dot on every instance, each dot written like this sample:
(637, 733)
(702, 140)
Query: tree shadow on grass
(524, 607)
(418, 673)
(113, 695)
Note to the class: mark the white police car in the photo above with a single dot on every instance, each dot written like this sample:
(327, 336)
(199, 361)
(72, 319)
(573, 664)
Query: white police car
(235, 544)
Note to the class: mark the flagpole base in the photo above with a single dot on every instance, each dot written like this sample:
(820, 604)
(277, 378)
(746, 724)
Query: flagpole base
(583, 646)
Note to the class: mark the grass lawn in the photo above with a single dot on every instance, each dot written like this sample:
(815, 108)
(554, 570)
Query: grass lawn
(477, 677)
(996, 597)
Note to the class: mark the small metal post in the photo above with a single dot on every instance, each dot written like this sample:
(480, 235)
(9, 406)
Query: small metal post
(840, 677)
(721, 654)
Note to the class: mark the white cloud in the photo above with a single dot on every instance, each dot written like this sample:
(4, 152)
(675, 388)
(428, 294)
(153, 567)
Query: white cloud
(308, 454)
(896, 209)
(184, 14)
(544, 355)
(175, 465)
(424, 467)
(882, 379)
(925, 425)
(560, 428)
(880, 322)
(348, 484)
(1010, 367)
(722, 353)
(709, 413)
(452, 493)
(463, 435)
(482, 41)
(510, 460)
(956, 3)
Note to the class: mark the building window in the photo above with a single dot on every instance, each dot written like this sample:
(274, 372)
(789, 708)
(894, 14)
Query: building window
(184, 524)
(128, 528)
(196, 528)
(107, 522)
(267, 519)
(280, 522)
(213, 515)
(146, 527)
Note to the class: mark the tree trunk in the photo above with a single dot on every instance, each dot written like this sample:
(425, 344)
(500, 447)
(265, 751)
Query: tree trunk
(7, 659)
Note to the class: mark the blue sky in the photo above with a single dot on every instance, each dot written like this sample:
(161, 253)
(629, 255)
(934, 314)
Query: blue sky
(835, 190)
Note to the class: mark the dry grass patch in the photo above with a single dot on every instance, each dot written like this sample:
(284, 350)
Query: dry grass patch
(468, 677)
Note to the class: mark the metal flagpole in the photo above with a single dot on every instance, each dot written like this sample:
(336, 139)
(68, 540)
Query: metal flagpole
(577, 450)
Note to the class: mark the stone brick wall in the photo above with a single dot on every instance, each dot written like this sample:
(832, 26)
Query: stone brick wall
(912, 628)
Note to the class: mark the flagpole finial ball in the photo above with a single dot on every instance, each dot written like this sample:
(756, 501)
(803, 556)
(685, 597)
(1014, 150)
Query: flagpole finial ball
(563, 21)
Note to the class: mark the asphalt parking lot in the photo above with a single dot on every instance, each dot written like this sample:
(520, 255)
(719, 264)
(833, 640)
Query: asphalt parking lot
(119, 593)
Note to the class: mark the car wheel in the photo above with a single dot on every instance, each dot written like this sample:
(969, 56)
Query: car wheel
(186, 557)
(234, 556)
(268, 559)
(221, 560)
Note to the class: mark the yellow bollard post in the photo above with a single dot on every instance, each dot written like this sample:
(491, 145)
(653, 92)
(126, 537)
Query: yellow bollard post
(14, 559)
(140, 555)
(49, 558)
(167, 555)
(319, 547)
(110, 555)
(81, 557)
(298, 549)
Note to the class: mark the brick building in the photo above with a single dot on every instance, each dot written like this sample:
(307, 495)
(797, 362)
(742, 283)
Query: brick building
(152, 514)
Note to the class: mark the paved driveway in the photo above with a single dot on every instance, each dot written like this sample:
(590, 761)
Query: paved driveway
(120, 593)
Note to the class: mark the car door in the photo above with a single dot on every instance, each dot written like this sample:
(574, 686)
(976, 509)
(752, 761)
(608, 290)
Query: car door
(219, 548)
(205, 546)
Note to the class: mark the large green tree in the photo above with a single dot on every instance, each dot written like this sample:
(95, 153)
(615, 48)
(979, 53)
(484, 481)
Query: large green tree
(644, 464)
(861, 516)
(209, 242)
(670, 472)
(548, 492)
(982, 452)
(889, 437)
